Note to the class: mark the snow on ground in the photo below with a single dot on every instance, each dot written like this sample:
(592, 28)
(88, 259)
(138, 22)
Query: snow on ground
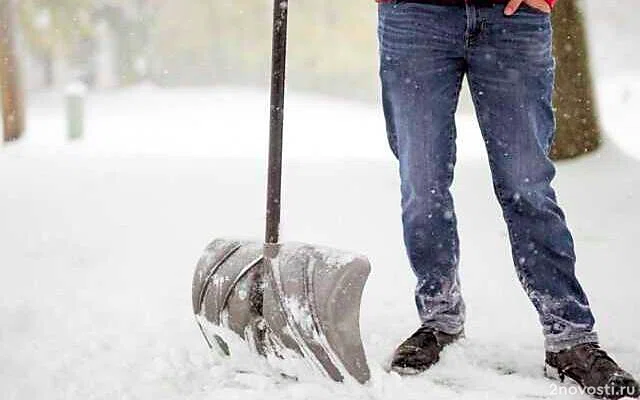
(99, 238)
(225, 122)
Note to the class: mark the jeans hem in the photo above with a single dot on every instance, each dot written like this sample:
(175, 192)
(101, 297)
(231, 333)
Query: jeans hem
(448, 329)
(555, 345)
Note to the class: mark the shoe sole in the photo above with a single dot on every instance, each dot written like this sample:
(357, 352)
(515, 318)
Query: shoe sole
(405, 371)
(552, 374)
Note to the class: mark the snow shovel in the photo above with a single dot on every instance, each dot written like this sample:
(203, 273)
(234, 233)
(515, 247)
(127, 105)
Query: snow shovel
(285, 300)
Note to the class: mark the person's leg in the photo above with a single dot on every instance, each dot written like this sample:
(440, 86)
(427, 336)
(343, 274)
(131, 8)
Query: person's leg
(511, 74)
(421, 68)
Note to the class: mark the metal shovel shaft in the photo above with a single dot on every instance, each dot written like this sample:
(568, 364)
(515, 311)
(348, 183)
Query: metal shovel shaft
(278, 70)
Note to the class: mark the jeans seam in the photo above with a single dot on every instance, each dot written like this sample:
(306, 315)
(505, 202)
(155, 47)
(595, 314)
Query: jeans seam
(525, 278)
(450, 171)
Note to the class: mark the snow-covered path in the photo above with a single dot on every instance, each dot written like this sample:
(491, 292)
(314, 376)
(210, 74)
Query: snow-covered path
(98, 241)
(97, 253)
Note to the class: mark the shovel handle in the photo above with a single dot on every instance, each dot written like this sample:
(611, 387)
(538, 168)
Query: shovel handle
(278, 66)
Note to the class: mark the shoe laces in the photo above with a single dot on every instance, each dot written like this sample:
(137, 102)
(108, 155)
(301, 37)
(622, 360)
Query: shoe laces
(595, 355)
(423, 336)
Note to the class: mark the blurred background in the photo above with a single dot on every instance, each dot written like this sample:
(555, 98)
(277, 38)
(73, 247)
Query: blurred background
(121, 47)
(117, 43)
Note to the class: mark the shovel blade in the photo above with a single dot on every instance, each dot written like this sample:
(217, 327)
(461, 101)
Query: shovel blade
(223, 292)
(284, 299)
(312, 305)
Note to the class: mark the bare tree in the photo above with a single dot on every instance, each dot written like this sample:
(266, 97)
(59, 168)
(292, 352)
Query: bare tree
(12, 96)
(578, 130)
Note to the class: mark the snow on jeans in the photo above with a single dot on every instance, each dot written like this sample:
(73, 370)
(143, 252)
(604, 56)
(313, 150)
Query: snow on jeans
(425, 51)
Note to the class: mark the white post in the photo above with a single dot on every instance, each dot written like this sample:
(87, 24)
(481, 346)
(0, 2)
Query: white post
(75, 99)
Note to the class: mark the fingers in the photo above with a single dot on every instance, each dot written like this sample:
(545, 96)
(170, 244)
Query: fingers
(512, 7)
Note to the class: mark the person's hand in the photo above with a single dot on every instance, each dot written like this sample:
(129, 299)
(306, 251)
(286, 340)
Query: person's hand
(513, 6)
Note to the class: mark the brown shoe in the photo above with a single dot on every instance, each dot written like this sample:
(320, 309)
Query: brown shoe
(592, 368)
(418, 353)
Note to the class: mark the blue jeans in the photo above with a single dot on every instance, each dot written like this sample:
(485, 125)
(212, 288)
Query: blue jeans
(426, 50)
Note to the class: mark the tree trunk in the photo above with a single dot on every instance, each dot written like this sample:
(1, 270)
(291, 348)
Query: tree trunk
(578, 129)
(12, 99)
